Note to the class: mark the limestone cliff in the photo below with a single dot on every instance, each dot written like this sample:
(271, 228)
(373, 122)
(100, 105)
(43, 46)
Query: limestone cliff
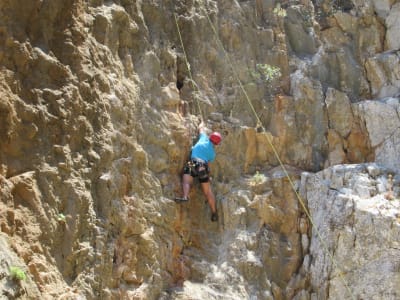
(358, 228)
(99, 104)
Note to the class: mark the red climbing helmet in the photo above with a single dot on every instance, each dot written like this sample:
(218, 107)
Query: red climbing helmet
(215, 138)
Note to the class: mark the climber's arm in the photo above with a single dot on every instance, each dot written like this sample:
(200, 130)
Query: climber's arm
(203, 128)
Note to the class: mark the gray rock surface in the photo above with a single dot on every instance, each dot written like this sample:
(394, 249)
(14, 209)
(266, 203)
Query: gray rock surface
(355, 237)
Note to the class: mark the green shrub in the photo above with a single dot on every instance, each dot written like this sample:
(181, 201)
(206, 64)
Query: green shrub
(266, 72)
(17, 273)
(279, 11)
(257, 178)
(61, 218)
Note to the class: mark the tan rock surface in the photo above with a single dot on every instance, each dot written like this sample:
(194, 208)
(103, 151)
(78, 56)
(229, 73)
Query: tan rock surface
(98, 111)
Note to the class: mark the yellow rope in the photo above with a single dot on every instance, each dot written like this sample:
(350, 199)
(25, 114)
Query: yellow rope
(259, 123)
(193, 83)
(233, 70)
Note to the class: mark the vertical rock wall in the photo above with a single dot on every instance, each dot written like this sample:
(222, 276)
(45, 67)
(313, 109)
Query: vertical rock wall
(98, 111)
(354, 246)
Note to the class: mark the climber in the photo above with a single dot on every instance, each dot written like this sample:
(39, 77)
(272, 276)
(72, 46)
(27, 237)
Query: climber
(198, 166)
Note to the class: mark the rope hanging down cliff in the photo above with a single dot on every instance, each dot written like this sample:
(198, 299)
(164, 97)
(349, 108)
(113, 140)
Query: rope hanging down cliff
(202, 153)
(192, 82)
(259, 125)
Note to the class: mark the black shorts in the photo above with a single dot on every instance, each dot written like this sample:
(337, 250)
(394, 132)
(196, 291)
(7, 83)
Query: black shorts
(196, 168)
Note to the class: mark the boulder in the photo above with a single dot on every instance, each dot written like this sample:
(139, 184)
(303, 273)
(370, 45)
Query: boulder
(355, 236)
(392, 23)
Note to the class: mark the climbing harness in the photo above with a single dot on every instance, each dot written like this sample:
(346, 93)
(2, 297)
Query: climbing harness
(261, 129)
(196, 167)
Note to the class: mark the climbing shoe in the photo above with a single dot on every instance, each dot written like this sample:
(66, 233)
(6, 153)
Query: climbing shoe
(214, 217)
(181, 199)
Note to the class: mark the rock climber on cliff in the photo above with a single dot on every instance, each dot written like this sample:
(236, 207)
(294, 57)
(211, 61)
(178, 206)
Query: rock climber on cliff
(203, 153)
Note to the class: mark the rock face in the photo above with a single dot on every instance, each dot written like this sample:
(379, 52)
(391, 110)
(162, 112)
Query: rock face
(357, 225)
(99, 104)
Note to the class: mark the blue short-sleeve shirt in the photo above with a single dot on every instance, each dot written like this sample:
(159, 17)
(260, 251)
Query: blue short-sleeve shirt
(203, 149)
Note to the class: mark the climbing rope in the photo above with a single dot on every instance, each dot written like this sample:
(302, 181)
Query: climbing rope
(259, 124)
(193, 83)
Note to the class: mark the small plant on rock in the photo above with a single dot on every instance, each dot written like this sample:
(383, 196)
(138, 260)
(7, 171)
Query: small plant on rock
(279, 11)
(17, 273)
(266, 72)
(257, 178)
(61, 218)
